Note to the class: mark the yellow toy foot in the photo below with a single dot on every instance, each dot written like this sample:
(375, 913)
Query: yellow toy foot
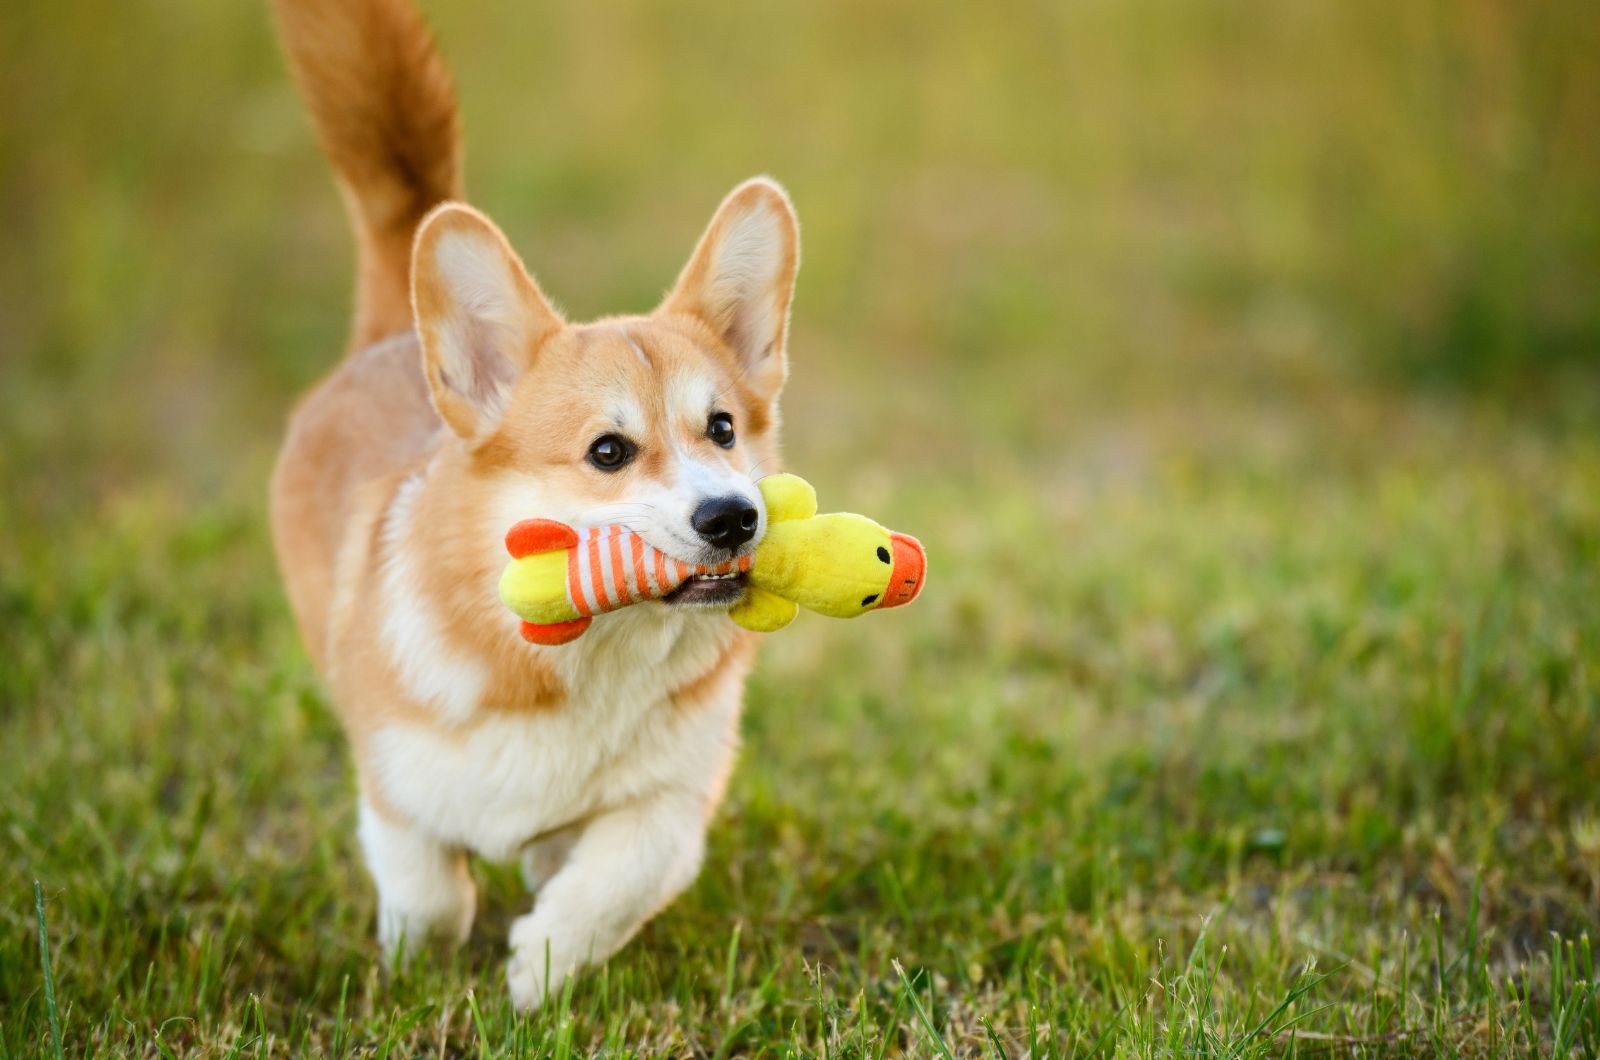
(762, 611)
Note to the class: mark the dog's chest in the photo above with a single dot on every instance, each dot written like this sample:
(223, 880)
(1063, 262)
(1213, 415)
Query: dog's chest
(509, 776)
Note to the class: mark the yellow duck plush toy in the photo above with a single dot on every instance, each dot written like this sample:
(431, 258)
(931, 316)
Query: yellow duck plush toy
(839, 564)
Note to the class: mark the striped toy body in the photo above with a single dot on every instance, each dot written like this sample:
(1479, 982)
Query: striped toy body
(612, 567)
(559, 578)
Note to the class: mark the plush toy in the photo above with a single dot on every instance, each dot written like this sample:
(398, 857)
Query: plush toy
(840, 564)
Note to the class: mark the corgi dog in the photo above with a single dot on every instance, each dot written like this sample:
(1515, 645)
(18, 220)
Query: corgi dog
(464, 404)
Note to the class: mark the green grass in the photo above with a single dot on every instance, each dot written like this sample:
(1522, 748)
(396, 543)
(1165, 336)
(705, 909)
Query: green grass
(1237, 367)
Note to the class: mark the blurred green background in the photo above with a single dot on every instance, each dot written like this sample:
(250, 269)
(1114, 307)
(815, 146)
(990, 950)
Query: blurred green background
(1239, 363)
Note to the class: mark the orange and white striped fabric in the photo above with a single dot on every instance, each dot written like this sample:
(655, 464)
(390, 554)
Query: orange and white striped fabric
(611, 567)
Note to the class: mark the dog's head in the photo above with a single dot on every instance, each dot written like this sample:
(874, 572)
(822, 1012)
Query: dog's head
(661, 423)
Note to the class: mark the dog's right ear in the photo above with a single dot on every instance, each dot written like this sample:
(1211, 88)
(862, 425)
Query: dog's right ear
(479, 315)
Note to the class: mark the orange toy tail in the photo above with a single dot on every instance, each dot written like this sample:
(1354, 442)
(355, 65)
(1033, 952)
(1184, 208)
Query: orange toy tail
(532, 536)
(555, 632)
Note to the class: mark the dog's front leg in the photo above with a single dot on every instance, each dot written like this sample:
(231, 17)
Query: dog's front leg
(424, 889)
(626, 865)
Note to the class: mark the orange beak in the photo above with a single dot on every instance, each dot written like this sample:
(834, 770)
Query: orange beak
(909, 572)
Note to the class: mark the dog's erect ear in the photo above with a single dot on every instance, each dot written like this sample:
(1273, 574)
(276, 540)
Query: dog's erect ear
(480, 317)
(740, 279)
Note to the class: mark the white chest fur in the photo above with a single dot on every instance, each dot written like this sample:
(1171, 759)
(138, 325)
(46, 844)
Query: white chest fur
(498, 779)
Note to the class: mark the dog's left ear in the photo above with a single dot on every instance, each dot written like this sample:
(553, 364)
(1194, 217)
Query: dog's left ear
(740, 280)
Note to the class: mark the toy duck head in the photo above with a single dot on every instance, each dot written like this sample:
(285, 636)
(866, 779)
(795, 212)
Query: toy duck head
(908, 565)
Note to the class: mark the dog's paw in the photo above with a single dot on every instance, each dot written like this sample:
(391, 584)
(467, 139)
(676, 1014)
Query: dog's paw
(539, 965)
(525, 982)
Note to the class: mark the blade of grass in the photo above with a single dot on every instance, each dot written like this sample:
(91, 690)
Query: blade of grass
(1304, 986)
(49, 973)
(731, 964)
(999, 1050)
(922, 1013)
(478, 1025)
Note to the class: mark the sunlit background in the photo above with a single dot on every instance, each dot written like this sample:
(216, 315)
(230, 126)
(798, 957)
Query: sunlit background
(1239, 364)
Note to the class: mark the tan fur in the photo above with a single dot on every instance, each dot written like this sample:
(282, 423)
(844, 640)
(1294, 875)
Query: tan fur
(385, 114)
(348, 444)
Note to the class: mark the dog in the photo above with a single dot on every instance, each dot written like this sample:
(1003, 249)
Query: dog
(464, 404)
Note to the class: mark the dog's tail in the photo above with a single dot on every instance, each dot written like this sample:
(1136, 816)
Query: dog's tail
(385, 112)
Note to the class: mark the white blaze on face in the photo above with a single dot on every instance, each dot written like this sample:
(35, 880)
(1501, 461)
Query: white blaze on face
(701, 470)
(638, 350)
(661, 507)
(658, 498)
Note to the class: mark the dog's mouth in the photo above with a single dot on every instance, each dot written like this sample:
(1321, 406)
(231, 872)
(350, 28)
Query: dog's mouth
(708, 591)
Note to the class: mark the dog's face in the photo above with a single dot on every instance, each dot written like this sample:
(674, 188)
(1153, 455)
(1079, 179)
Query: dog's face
(647, 423)
(661, 423)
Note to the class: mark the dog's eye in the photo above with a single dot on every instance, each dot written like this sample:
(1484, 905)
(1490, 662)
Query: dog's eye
(720, 429)
(611, 451)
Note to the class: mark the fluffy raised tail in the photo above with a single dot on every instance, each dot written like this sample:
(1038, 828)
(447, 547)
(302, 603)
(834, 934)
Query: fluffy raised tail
(385, 112)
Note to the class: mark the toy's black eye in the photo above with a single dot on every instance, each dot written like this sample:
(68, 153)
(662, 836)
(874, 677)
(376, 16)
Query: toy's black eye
(720, 429)
(883, 554)
(866, 600)
(611, 451)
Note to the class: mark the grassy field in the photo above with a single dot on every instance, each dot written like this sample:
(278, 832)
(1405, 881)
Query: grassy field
(1239, 366)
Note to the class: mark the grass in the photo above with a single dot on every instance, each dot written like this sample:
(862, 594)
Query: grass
(1238, 371)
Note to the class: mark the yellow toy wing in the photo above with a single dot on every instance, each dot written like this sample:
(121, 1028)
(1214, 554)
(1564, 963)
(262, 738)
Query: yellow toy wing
(788, 497)
(762, 611)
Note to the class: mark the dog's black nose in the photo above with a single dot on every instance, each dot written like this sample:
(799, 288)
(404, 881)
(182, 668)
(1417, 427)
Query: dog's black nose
(726, 522)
